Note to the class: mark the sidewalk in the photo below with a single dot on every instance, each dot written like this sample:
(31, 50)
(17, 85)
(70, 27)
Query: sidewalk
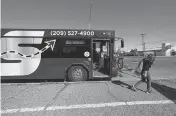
(126, 74)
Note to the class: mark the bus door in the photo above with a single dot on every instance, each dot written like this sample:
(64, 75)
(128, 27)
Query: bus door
(101, 58)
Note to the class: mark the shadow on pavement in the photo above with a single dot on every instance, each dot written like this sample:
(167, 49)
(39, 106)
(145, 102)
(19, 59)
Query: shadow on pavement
(125, 85)
(166, 91)
(122, 84)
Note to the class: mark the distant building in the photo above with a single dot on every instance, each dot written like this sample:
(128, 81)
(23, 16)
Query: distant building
(166, 50)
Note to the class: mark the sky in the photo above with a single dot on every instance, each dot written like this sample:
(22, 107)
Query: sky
(129, 18)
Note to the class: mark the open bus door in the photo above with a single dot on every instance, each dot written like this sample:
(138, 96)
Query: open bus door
(101, 58)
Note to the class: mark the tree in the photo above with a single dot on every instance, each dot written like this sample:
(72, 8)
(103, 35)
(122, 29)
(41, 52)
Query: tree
(134, 52)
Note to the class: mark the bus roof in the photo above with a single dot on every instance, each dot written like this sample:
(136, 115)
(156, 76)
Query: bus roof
(57, 33)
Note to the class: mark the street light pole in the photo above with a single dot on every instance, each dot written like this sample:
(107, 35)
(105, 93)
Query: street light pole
(90, 13)
(143, 43)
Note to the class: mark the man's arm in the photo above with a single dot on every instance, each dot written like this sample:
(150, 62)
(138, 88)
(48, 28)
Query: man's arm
(152, 60)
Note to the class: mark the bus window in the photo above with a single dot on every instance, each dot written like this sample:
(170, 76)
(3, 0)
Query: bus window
(74, 51)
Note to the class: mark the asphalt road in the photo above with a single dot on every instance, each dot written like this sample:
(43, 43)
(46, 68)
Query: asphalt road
(100, 98)
(88, 99)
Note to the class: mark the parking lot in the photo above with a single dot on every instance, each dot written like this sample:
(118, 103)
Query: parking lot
(88, 98)
(95, 98)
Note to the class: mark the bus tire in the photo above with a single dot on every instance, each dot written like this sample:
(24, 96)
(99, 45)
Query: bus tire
(77, 73)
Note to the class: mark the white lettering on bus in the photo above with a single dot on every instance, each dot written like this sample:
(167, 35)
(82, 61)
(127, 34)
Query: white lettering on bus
(72, 33)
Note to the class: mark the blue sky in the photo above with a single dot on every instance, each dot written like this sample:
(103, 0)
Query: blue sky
(129, 18)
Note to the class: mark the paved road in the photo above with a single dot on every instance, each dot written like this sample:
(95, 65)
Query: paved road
(110, 98)
(88, 99)
(164, 67)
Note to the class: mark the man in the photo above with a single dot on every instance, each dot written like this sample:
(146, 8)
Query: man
(147, 63)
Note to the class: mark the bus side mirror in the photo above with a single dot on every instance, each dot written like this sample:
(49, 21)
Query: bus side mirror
(122, 44)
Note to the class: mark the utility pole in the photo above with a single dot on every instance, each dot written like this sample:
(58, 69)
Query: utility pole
(143, 43)
(90, 13)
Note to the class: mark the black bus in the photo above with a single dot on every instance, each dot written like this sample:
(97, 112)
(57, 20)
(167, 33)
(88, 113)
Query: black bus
(69, 54)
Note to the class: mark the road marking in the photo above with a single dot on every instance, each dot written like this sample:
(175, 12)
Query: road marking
(86, 106)
(32, 109)
(168, 78)
(150, 102)
(9, 111)
(100, 105)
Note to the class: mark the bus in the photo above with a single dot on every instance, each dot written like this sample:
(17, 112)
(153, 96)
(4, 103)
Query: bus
(68, 54)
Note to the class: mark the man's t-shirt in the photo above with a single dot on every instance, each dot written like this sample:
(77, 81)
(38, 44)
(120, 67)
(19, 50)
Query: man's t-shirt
(146, 64)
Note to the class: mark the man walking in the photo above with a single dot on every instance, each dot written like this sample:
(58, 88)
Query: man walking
(147, 63)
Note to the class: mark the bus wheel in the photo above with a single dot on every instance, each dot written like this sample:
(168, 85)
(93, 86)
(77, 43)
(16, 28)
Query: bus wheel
(120, 63)
(77, 73)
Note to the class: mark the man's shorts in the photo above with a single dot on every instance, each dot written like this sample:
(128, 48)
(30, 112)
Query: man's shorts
(144, 75)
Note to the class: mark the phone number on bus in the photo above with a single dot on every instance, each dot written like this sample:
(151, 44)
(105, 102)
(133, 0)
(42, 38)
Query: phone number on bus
(72, 33)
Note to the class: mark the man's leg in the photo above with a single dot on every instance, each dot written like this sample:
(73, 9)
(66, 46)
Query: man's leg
(148, 83)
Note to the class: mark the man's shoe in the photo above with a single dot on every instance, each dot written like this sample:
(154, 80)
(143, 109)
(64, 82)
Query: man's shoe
(148, 91)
